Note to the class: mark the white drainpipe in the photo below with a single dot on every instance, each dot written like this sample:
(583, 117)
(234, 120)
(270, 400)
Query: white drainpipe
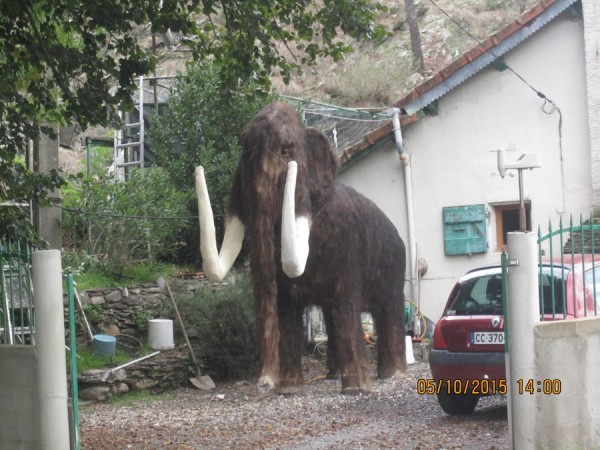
(412, 241)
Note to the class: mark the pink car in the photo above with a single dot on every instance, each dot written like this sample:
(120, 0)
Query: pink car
(467, 356)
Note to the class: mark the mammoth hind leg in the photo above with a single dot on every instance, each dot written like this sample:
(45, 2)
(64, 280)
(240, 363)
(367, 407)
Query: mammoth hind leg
(391, 343)
(352, 358)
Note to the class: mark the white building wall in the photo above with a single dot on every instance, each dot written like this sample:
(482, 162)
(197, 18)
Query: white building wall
(453, 162)
(568, 417)
(591, 14)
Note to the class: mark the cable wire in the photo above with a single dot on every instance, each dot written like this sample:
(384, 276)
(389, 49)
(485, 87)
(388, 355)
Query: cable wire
(468, 33)
(553, 106)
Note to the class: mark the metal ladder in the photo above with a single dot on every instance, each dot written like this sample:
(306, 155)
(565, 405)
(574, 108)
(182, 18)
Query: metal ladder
(128, 149)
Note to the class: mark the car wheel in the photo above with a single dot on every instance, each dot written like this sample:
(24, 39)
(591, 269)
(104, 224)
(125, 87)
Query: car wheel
(457, 404)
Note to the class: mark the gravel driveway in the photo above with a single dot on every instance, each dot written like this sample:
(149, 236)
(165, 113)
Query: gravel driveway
(235, 416)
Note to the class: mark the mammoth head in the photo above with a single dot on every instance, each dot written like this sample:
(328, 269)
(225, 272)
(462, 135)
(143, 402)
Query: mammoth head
(270, 141)
(284, 168)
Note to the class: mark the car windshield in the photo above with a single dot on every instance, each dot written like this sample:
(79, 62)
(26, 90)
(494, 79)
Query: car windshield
(478, 296)
(483, 295)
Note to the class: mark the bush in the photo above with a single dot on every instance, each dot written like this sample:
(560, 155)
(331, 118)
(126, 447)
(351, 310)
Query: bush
(226, 326)
(126, 222)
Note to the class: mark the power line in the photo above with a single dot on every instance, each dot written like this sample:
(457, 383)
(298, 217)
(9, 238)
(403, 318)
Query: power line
(519, 76)
(554, 106)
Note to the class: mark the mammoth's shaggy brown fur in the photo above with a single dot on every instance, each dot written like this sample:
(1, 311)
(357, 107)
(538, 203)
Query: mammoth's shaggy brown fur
(356, 260)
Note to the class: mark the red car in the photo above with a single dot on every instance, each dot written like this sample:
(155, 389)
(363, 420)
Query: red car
(467, 359)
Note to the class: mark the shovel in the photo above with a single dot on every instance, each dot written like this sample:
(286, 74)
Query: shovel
(203, 382)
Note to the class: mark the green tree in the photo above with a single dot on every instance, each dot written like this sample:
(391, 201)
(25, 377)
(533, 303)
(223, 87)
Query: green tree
(201, 126)
(65, 61)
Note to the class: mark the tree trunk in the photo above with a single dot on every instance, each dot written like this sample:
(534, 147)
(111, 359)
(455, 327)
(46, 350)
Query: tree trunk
(415, 35)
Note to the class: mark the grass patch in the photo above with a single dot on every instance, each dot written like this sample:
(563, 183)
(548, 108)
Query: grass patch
(86, 361)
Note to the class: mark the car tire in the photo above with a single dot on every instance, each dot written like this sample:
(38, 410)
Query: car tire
(457, 404)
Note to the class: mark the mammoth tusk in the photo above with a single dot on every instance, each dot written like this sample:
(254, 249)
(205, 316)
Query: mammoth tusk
(216, 264)
(295, 231)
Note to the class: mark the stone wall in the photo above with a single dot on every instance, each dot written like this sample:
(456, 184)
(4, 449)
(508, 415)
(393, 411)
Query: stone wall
(127, 311)
(166, 371)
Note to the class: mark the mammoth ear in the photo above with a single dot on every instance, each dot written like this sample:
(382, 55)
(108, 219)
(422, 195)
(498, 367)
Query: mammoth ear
(321, 160)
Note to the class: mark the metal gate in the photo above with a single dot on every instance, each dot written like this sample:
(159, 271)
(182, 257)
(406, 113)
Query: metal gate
(569, 270)
(17, 318)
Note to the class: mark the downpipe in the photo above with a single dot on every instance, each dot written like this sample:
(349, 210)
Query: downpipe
(412, 241)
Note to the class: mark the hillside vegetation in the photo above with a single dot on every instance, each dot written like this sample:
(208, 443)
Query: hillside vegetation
(377, 74)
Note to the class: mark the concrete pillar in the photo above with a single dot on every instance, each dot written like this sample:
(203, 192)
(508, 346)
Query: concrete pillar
(47, 220)
(523, 312)
(53, 419)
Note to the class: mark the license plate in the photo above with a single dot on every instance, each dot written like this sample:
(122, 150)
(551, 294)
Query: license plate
(487, 337)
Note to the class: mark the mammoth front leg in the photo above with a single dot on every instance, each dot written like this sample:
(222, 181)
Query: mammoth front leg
(291, 344)
(267, 320)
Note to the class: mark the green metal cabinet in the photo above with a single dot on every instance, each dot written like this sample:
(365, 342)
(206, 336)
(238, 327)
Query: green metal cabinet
(465, 230)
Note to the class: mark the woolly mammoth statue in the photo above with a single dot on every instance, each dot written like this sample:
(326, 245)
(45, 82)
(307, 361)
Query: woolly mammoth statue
(311, 241)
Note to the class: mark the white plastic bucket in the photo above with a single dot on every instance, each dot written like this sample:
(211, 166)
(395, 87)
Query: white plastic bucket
(160, 334)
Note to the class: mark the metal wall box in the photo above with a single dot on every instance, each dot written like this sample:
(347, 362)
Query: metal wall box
(465, 230)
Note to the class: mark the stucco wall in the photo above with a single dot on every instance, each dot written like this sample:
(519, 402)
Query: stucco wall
(568, 351)
(18, 397)
(591, 13)
(453, 161)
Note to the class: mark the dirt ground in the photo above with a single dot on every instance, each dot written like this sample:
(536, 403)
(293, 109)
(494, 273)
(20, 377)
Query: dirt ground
(235, 416)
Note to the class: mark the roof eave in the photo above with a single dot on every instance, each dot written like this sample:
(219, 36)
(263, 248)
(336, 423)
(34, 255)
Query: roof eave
(475, 60)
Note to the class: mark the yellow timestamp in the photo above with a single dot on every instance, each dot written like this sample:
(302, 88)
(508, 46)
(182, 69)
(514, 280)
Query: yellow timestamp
(546, 386)
(429, 386)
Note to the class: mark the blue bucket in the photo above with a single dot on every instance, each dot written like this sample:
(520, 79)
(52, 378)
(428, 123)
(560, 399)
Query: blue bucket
(104, 345)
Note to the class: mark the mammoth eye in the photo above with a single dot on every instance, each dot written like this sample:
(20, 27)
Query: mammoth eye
(286, 149)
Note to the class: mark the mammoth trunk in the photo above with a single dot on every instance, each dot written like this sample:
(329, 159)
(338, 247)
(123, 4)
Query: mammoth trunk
(264, 222)
(264, 269)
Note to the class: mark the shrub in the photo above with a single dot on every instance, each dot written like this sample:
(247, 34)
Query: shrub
(126, 222)
(226, 327)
